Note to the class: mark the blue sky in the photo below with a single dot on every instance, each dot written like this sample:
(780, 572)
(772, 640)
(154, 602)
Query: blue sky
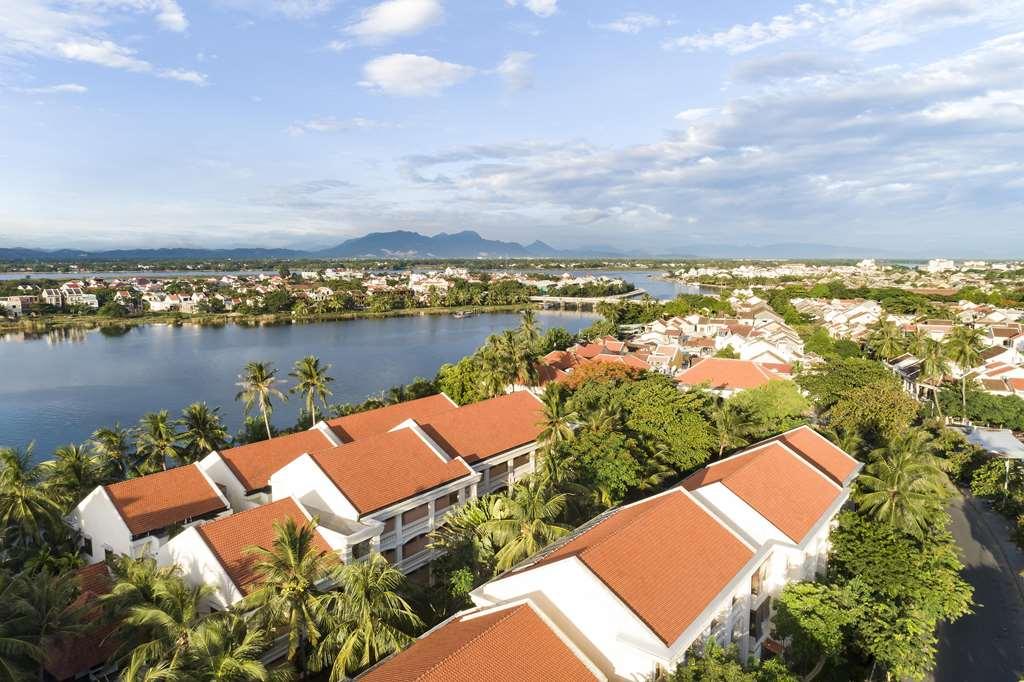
(889, 123)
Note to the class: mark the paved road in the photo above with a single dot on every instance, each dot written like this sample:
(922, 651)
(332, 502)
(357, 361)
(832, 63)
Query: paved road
(987, 645)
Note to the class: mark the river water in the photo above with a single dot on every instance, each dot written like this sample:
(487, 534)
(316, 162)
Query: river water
(58, 388)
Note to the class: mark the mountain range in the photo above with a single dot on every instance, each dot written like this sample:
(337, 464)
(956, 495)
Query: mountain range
(466, 244)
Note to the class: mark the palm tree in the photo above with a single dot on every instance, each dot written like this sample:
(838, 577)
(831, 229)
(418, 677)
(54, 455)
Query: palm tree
(156, 441)
(203, 431)
(964, 348)
(114, 444)
(886, 339)
(527, 522)
(934, 366)
(258, 383)
(228, 649)
(164, 626)
(19, 652)
(732, 426)
(558, 421)
(74, 472)
(903, 486)
(311, 381)
(462, 534)
(29, 514)
(49, 611)
(528, 328)
(367, 619)
(288, 595)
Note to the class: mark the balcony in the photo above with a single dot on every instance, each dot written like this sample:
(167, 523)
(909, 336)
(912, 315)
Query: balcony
(416, 528)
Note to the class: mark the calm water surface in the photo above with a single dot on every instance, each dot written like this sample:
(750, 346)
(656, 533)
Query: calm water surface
(57, 389)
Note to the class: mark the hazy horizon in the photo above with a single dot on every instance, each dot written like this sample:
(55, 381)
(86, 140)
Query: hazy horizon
(888, 124)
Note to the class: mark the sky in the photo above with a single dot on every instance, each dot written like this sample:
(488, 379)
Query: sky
(889, 124)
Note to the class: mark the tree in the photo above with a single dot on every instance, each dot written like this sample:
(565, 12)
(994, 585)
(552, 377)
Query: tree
(20, 652)
(834, 379)
(528, 328)
(963, 346)
(722, 665)
(771, 408)
(203, 432)
(558, 421)
(934, 365)
(258, 384)
(526, 522)
(886, 339)
(732, 426)
(228, 648)
(312, 383)
(878, 412)
(156, 440)
(74, 472)
(462, 382)
(463, 537)
(903, 485)
(727, 352)
(114, 444)
(29, 514)
(288, 596)
(556, 338)
(813, 617)
(49, 612)
(366, 619)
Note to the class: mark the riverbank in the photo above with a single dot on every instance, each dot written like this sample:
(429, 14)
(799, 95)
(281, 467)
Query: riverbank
(61, 322)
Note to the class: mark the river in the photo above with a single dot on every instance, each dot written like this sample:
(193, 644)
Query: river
(58, 388)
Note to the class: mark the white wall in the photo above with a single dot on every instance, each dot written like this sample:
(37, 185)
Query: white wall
(98, 518)
(214, 466)
(740, 515)
(597, 621)
(304, 480)
(199, 565)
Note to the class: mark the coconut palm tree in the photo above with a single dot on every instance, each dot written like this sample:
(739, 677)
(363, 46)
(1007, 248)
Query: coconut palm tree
(290, 573)
(462, 534)
(934, 366)
(529, 330)
(164, 626)
(886, 340)
(312, 383)
(156, 440)
(366, 620)
(963, 346)
(202, 432)
(527, 522)
(732, 425)
(903, 485)
(19, 652)
(114, 444)
(258, 384)
(228, 648)
(558, 421)
(29, 514)
(49, 612)
(74, 472)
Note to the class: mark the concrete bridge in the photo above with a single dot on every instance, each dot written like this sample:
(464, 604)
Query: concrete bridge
(580, 302)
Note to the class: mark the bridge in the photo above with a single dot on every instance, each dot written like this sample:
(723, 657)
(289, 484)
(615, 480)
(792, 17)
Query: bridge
(578, 302)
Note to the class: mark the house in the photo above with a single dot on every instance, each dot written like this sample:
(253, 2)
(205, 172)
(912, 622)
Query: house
(726, 376)
(640, 586)
(218, 553)
(513, 641)
(137, 517)
(11, 305)
(52, 297)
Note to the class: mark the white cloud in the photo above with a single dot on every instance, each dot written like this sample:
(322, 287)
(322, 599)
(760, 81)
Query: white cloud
(412, 75)
(338, 45)
(301, 9)
(542, 8)
(695, 115)
(1001, 106)
(633, 23)
(393, 18)
(515, 70)
(62, 88)
(102, 52)
(331, 124)
(746, 37)
(171, 16)
(185, 76)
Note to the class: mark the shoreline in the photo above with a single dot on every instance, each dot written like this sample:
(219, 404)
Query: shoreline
(40, 326)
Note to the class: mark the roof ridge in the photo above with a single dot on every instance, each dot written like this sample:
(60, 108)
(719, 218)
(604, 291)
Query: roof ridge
(472, 640)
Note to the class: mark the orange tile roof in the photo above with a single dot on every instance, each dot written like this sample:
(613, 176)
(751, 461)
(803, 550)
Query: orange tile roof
(253, 464)
(379, 471)
(628, 360)
(666, 559)
(372, 422)
(776, 483)
(229, 538)
(821, 452)
(68, 658)
(512, 643)
(726, 373)
(163, 499)
(487, 428)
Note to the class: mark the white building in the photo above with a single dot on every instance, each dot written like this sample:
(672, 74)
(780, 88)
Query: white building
(136, 517)
(940, 265)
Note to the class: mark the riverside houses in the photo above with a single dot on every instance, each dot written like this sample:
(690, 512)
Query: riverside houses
(637, 588)
(379, 480)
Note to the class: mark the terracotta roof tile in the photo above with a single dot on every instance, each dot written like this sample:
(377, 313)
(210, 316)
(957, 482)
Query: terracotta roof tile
(727, 374)
(67, 659)
(821, 452)
(373, 422)
(379, 471)
(253, 464)
(229, 538)
(666, 559)
(512, 643)
(487, 428)
(163, 499)
(776, 483)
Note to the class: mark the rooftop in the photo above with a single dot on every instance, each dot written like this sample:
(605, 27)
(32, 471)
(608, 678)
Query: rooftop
(253, 464)
(152, 502)
(487, 428)
(727, 374)
(373, 422)
(821, 452)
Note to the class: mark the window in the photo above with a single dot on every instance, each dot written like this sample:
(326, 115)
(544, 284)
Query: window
(521, 460)
(361, 549)
(453, 498)
(441, 503)
(87, 545)
(415, 546)
(759, 619)
(758, 579)
(389, 554)
(389, 525)
(415, 514)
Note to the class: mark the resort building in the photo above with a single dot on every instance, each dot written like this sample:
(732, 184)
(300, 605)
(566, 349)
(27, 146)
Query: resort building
(725, 376)
(137, 517)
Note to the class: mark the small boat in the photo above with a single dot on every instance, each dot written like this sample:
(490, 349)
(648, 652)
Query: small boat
(462, 314)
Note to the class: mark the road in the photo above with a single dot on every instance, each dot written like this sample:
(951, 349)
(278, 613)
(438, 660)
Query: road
(987, 645)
